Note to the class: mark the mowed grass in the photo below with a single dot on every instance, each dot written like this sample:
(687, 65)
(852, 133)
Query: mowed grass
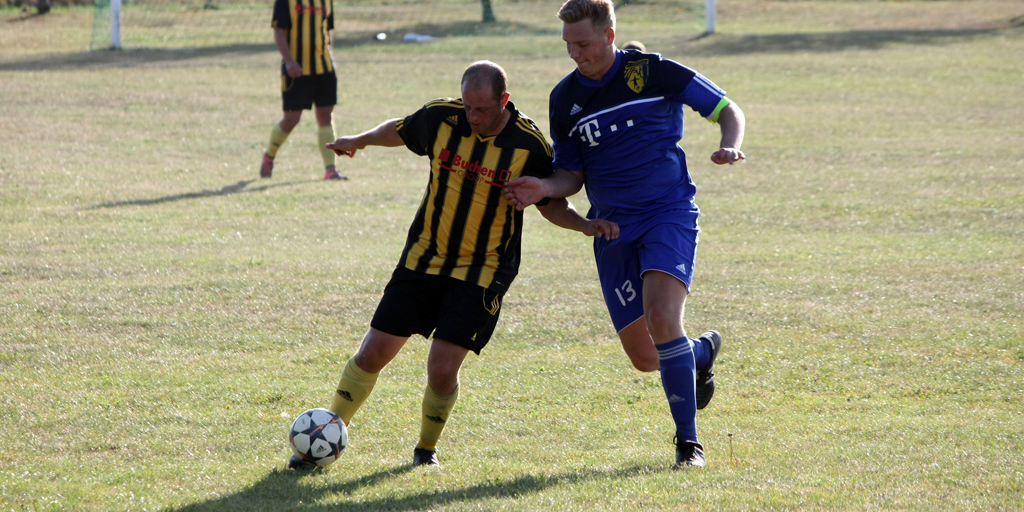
(164, 314)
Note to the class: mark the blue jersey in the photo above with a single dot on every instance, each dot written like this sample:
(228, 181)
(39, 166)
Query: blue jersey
(624, 130)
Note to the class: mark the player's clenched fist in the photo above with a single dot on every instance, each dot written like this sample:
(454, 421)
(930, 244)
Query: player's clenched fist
(727, 156)
(344, 146)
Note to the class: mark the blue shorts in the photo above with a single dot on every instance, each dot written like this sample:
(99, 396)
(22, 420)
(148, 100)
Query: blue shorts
(666, 242)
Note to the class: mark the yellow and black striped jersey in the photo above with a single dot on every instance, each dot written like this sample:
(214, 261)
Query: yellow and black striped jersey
(308, 23)
(465, 228)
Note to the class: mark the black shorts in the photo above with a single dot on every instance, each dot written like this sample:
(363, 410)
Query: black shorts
(453, 310)
(302, 92)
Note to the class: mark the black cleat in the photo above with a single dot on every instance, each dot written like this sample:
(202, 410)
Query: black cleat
(706, 378)
(424, 457)
(689, 454)
(298, 464)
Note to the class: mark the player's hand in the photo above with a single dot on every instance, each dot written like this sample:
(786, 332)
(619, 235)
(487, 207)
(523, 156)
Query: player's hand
(344, 146)
(727, 156)
(523, 192)
(293, 69)
(602, 228)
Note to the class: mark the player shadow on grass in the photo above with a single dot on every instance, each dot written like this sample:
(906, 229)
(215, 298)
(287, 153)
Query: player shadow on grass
(285, 490)
(827, 42)
(704, 45)
(226, 190)
(137, 57)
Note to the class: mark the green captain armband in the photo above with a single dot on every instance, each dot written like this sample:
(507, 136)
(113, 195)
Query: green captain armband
(713, 118)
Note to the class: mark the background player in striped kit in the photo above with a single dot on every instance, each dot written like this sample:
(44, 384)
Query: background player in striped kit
(302, 33)
(463, 248)
(615, 124)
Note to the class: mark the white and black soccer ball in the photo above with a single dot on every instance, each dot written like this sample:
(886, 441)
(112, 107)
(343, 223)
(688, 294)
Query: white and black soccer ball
(318, 436)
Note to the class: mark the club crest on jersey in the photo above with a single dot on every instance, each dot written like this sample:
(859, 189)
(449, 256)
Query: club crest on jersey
(636, 74)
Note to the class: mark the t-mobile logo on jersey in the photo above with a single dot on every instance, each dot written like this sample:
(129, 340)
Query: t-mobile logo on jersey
(591, 130)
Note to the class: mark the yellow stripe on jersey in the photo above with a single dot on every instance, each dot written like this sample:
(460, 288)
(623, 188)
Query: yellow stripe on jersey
(504, 217)
(413, 258)
(306, 29)
(316, 34)
(293, 32)
(444, 102)
(527, 126)
(477, 211)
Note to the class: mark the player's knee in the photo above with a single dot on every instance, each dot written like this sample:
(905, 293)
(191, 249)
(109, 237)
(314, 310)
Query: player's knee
(645, 363)
(663, 323)
(370, 359)
(443, 378)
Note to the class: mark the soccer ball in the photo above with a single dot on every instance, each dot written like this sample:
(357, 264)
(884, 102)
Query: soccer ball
(318, 436)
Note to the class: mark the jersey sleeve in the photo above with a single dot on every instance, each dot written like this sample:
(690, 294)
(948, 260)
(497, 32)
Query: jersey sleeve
(282, 17)
(330, 15)
(538, 164)
(704, 97)
(417, 129)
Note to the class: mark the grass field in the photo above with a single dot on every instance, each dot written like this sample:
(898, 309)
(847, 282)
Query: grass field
(164, 314)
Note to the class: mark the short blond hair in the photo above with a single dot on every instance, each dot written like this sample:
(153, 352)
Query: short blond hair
(601, 13)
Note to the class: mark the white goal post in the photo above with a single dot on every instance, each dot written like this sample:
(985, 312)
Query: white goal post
(709, 16)
(115, 24)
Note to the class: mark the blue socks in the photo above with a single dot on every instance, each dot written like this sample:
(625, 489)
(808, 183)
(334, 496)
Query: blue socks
(701, 353)
(678, 377)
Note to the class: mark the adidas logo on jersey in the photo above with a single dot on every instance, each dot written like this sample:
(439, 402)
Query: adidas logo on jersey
(453, 120)
(575, 110)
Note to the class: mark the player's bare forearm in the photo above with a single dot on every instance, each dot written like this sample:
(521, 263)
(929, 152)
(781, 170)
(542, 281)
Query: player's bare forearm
(523, 192)
(385, 134)
(562, 213)
(733, 125)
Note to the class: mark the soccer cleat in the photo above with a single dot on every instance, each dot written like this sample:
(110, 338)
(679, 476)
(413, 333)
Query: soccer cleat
(332, 174)
(706, 378)
(298, 464)
(689, 454)
(424, 457)
(266, 166)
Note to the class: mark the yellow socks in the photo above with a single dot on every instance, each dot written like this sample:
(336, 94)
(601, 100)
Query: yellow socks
(325, 135)
(436, 408)
(277, 137)
(354, 387)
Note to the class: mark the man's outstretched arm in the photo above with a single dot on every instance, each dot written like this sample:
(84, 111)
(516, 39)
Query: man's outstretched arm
(385, 134)
(562, 213)
(523, 192)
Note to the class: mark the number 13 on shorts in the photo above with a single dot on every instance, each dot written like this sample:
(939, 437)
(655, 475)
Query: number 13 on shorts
(626, 293)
